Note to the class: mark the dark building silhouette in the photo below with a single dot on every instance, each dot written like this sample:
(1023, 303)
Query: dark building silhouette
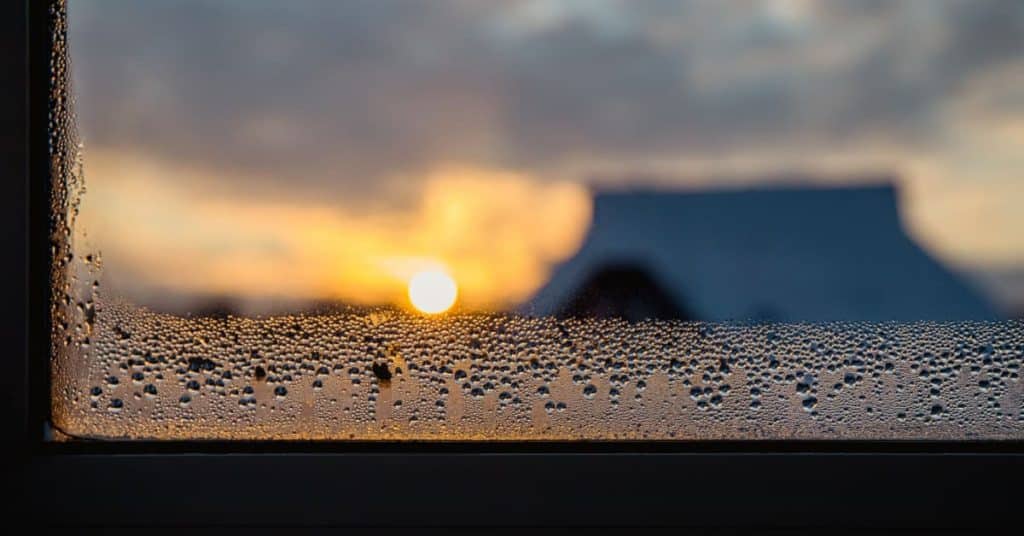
(623, 290)
(785, 253)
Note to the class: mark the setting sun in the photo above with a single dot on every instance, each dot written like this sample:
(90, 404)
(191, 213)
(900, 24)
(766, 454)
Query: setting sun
(432, 291)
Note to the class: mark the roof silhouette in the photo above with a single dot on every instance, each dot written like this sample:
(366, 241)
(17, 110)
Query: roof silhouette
(784, 253)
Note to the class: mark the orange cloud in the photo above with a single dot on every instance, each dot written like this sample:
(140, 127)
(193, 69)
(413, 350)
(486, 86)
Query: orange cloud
(497, 232)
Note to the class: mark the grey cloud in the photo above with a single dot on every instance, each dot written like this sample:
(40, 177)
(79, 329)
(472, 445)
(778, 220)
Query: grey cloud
(368, 90)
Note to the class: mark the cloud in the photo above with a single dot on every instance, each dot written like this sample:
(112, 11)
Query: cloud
(497, 233)
(354, 93)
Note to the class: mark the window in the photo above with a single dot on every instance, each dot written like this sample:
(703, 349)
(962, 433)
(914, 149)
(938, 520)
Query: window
(536, 221)
(764, 286)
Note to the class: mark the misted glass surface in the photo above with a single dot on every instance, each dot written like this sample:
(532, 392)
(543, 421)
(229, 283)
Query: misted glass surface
(538, 220)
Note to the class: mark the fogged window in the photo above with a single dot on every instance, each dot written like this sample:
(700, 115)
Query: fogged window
(538, 219)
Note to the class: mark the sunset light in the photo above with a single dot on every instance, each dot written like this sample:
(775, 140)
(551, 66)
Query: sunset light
(432, 291)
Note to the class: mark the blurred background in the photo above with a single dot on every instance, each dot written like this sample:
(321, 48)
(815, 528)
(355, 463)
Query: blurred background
(775, 160)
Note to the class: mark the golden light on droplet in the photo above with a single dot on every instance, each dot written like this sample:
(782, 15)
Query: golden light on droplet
(432, 291)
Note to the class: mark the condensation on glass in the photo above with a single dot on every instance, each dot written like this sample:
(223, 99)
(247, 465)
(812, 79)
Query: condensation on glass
(122, 372)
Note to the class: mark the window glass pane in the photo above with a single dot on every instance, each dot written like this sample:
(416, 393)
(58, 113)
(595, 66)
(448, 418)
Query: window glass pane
(538, 219)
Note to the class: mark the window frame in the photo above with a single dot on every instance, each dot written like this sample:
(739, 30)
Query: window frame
(663, 483)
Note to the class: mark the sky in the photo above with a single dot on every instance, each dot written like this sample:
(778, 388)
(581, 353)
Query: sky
(332, 148)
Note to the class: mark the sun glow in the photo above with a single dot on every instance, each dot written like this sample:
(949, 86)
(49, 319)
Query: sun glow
(432, 291)
(498, 233)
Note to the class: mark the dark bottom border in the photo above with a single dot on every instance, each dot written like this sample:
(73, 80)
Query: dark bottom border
(698, 490)
(534, 447)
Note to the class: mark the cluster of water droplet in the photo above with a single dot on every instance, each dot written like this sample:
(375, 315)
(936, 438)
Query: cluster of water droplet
(73, 279)
(388, 374)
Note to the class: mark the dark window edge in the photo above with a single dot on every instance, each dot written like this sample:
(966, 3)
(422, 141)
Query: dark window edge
(767, 447)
